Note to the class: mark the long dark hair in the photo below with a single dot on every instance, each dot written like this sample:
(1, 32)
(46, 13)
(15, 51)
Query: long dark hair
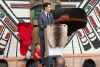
(73, 25)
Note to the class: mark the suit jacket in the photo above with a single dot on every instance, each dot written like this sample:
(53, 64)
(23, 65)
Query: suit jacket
(43, 20)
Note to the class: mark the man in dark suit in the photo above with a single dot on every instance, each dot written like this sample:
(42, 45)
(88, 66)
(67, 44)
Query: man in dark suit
(44, 19)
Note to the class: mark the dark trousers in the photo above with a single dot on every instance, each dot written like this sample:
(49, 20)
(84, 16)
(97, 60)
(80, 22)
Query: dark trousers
(42, 42)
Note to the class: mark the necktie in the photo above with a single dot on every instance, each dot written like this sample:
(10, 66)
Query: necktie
(48, 19)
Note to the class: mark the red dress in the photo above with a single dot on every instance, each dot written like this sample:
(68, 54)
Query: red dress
(25, 34)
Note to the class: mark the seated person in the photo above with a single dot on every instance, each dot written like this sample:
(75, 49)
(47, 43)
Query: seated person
(89, 63)
(60, 62)
(3, 63)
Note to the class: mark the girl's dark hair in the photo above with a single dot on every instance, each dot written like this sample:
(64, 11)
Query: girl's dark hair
(72, 12)
(3, 63)
(30, 63)
(89, 63)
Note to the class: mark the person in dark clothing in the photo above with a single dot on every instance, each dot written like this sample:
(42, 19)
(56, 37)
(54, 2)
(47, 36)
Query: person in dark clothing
(30, 63)
(3, 63)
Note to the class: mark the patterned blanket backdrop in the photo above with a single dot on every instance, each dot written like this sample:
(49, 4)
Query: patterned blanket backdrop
(74, 46)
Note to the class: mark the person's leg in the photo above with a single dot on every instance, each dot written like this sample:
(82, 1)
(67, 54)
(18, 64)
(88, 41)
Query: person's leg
(42, 45)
